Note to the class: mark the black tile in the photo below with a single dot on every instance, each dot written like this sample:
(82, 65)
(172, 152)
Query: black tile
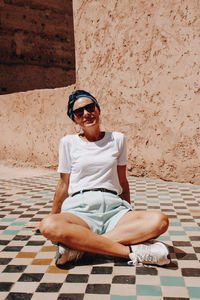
(21, 237)
(197, 249)
(98, 289)
(102, 270)
(13, 248)
(177, 201)
(4, 242)
(5, 261)
(5, 286)
(146, 271)
(31, 277)
(77, 278)
(194, 238)
(186, 220)
(14, 269)
(49, 287)
(180, 207)
(70, 297)
(175, 298)
(44, 212)
(181, 244)
(190, 272)
(3, 227)
(171, 216)
(19, 296)
(26, 216)
(123, 279)
(156, 207)
(35, 243)
(36, 219)
(185, 256)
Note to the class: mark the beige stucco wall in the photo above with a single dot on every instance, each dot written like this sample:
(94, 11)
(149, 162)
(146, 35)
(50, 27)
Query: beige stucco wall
(31, 125)
(141, 59)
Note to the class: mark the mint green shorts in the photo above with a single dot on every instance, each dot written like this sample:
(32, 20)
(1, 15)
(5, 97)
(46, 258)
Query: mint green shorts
(100, 210)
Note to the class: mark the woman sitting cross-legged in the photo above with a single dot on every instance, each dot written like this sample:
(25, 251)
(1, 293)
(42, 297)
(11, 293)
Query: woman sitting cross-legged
(91, 209)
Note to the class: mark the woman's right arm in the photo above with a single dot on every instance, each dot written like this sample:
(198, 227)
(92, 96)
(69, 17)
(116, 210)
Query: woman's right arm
(61, 193)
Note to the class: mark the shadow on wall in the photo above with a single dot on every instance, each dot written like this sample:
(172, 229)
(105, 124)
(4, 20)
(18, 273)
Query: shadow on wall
(36, 45)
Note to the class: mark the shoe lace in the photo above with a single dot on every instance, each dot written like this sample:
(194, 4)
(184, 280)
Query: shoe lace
(142, 255)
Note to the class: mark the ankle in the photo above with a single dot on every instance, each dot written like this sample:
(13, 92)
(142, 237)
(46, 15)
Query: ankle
(126, 252)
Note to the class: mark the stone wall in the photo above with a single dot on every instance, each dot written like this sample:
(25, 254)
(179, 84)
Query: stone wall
(31, 125)
(36, 45)
(141, 60)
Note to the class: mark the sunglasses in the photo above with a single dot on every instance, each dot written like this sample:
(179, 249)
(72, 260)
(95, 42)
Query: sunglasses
(80, 111)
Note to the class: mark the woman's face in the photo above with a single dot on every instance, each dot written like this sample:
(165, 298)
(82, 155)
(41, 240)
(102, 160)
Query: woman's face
(86, 113)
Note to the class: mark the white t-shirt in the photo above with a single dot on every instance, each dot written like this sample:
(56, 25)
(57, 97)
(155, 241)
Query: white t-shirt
(92, 164)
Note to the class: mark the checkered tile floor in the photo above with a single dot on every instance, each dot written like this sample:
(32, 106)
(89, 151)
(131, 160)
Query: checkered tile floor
(27, 259)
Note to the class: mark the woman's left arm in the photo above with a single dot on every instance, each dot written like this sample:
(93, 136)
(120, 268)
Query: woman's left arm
(125, 195)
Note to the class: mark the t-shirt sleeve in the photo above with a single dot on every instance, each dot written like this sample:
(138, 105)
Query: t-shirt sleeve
(64, 165)
(122, 159)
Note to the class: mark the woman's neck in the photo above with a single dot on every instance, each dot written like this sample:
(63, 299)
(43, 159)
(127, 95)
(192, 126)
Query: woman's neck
(92, 136)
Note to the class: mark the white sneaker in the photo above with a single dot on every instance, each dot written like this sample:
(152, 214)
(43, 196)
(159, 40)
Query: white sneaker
(64, 255)
(154, 253)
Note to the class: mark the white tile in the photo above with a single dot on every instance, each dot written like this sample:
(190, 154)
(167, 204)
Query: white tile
(100, 278)
(47, 296)
(37, 268)
(22, 287)
(73, 288)
(9, 277)
(57, 277)
(96, 297)
(173, 291)
(122, 289)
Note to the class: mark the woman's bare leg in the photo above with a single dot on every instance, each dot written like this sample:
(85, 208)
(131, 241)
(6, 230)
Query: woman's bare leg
(134, 227)
(138, 226)
(70, 230)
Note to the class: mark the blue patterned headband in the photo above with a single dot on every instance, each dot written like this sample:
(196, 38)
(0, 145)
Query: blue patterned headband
(74, 96)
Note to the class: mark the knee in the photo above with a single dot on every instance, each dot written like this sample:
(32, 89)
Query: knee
(49, 227)
(161, 222)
